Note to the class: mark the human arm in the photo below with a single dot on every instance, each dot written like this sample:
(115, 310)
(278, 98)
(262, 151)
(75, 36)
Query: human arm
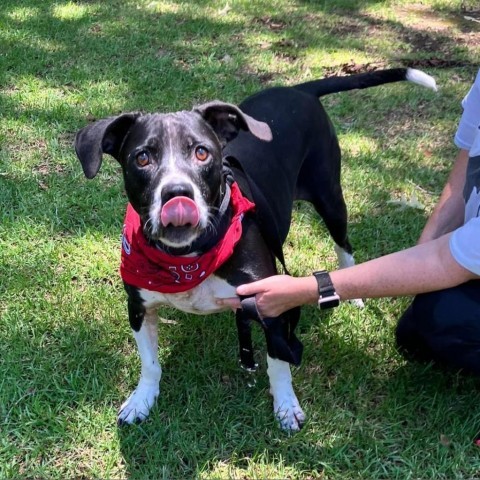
(448, 212)
(422, 268)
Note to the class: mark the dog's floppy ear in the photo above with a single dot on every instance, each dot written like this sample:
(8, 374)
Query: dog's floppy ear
(227, 120)
(103, 136)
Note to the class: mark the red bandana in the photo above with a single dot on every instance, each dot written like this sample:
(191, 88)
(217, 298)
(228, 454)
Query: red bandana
(145, 266)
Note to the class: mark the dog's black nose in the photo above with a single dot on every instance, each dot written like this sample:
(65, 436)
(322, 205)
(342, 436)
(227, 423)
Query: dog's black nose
(176, 190)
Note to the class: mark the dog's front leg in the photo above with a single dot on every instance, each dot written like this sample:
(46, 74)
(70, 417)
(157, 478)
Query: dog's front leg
(285, 403)
(137, 406)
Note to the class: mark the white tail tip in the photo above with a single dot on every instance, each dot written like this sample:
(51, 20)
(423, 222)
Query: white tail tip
(417, 76)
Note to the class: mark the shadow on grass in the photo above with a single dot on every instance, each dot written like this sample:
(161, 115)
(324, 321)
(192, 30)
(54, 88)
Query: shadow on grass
(158, 60)
(358, 413)
(166, 61)
(153, 64)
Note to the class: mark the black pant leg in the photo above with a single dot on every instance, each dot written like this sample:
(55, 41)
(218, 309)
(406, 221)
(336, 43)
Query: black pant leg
(444, 327)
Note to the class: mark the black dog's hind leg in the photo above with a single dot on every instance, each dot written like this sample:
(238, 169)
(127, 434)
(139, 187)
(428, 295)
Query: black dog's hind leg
(331, 207)
(319, 184)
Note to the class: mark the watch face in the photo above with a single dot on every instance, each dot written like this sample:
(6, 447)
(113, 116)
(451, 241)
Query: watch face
(329, 302)
(327, 296)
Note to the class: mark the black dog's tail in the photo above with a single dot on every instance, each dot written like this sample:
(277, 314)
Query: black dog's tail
(322, 87)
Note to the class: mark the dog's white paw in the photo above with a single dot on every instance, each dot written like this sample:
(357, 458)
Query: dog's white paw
(137, 406)
(289, 413)
(358, 302)
(286, 408)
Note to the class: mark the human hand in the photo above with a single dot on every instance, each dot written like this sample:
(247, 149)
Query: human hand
(277, 294)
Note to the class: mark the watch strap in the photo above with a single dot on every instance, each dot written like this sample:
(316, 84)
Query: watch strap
(327, 296)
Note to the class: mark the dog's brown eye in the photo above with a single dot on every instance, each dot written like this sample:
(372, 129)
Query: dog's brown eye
(142, 159)
(201, 153)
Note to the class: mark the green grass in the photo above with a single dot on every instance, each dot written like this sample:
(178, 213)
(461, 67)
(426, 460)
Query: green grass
(67, 358)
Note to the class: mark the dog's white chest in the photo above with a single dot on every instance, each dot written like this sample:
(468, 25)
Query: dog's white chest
(199, 300)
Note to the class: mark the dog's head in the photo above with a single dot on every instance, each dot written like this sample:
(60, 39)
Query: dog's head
(172, 164)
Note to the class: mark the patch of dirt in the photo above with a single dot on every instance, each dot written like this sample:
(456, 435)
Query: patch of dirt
(420, 17)
(436, 63)
(44, 169)
(458, 25)
(437, 35)
(353, 68)
(265, 78)
(286, 57)
(274, 24)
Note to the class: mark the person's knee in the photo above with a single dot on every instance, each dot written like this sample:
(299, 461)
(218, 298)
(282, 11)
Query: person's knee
(447, 309)
(457, 348)
(409, 340)
(405, 327)
(444, 327)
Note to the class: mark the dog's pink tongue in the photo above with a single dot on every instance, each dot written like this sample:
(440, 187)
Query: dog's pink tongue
(180, 211)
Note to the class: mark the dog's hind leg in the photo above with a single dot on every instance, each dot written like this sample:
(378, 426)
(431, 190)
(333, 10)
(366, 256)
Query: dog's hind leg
(323, 190)
(137, 406)
(334, 214)
(345, 260)
(286, 407)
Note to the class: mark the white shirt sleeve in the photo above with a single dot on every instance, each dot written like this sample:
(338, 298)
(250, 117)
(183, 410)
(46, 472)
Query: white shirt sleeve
(464, 245)
(470, 120)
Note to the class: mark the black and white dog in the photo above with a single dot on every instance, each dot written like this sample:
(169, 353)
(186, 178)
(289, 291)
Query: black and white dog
(210, 199)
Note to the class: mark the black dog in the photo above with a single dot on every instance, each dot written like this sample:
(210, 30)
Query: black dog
(192, 233)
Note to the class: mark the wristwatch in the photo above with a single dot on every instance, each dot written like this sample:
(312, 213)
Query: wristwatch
(327, 296)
